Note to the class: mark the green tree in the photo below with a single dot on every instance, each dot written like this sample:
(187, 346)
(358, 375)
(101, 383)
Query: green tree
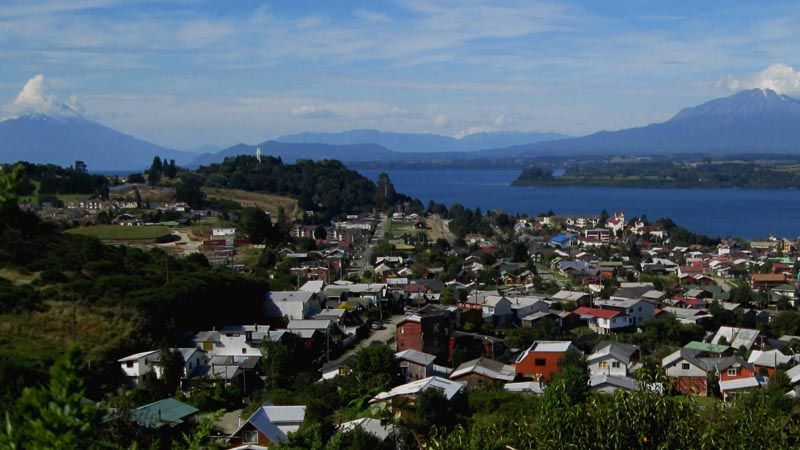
(172, 370)
(58, 415)
(257, 224)
(189, 191)
(9, 183)
(373, 369)
(276, 362)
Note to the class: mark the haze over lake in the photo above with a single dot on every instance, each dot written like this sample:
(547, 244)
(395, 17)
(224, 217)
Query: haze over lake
(749, 213)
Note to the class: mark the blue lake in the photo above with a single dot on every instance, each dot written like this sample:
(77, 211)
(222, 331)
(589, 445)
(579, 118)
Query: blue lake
(749, 213)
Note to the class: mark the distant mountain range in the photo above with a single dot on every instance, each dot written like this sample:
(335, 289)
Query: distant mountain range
(64, 139)
(422, 143)
(752, 121)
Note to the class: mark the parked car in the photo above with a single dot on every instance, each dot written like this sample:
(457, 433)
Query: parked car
(377, 325)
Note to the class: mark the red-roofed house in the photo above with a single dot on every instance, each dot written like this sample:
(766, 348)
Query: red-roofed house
(602, 320)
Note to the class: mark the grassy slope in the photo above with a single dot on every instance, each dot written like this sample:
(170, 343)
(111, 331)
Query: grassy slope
(267, 202)
(118, 232)
(44, 335)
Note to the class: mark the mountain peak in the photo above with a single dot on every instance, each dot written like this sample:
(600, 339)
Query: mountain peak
(756, 102)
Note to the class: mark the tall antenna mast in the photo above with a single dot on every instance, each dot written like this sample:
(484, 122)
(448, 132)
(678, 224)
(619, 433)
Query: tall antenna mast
(258, 154)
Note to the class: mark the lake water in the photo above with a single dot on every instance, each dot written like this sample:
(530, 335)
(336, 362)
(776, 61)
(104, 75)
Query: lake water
(749, 213)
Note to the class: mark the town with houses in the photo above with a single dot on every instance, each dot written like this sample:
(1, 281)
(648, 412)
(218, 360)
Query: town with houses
(515, 304)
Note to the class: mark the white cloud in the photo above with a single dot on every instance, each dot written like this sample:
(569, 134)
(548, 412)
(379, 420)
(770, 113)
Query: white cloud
(440, 120)
(312, 112)
(778, 77)
(35, 98)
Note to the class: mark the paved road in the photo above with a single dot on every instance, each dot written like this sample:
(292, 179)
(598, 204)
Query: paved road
(383, 335)
(363, 262)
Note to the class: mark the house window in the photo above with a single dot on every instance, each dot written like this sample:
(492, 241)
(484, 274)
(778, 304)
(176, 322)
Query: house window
(615, 365)
(539, 362)
(685, 366)
(250, 436)
(129, 364)
(602, 364)
(732, 371)
(244, 351)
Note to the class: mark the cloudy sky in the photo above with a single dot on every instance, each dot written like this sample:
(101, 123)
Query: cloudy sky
(187, 73)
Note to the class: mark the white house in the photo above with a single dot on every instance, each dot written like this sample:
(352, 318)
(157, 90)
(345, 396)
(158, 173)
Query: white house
(223, 232)
(244, 340)
(612, 359)
(497, 308)
(296, 305)
(637, 311)
(525, 306)
(138, 365)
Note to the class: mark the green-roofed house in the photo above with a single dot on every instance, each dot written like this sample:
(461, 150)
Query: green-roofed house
(717, 349)
(164, 413)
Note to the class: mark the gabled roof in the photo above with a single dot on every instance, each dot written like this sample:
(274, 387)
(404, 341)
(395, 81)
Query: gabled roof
(547, 347)
(486, 367)
(448, 387)
(371, 426)
(289, 296)
(596, 312)
(137, 356)
(535, 387)
(743, 383)
(275, 421)
(166, 412)
(416, 357)
(620, 382)
(736, 337)
(321, 324)
(769, 358)
(620, 351)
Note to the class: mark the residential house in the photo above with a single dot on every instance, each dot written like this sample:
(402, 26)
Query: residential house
(136, 366)
(268, 425)
(409, 391)
(415, 365)
(608, 384)
(242, 340)
(614, 359)
(474, 345)
(768, 361)
(579, 298)
(689, 369)
(375, 427)
(426, 330)
(483, 371)
(729, 388)
(525, 306)
(294, 305)
(165, 413)
(736, 337)
(766, 281)
(541, 360)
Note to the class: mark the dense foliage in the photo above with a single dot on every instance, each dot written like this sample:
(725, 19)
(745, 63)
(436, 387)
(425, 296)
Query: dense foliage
(325, 187)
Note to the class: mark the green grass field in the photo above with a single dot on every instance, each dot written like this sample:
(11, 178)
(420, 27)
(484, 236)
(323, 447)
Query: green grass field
(122, 233)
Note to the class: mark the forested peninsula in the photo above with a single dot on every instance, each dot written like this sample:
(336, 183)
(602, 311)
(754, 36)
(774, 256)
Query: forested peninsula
(667, 174)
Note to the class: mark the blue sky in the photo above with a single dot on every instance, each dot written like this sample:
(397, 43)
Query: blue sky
(187, 73)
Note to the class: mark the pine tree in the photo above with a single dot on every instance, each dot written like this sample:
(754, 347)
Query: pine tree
(156, 170)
